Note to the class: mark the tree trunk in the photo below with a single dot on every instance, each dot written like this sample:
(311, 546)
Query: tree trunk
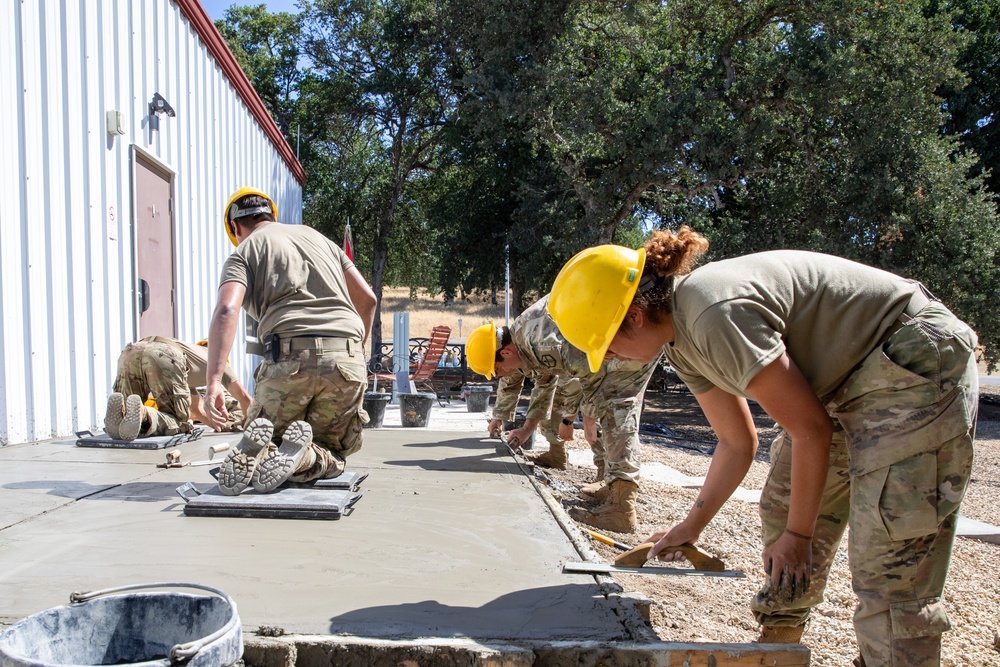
(378, 273)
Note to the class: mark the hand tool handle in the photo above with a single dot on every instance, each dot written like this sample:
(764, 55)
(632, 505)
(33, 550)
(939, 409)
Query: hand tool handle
(609, 541)
(636, 556)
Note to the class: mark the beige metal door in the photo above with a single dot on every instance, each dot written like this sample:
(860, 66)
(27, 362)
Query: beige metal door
(154, 226)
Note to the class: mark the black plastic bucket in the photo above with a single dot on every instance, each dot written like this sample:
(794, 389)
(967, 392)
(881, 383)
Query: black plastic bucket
(415, 409)
(477, 398)
(374, 405)
(152, 629)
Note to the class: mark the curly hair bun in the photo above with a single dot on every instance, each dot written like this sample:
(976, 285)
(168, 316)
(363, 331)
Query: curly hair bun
(669, 253)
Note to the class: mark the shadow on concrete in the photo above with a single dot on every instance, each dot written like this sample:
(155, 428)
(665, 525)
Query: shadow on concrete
(478, 444)
(484, 463)
(531, 614)
(143, 492)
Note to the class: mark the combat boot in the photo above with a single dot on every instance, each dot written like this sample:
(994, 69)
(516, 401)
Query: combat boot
(616, 513)
(597, 491)
(780, 634)
(554, 458)
(130, 425)
(114, 415)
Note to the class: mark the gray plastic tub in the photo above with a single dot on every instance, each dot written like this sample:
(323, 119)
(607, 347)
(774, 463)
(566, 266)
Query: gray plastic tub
(152, 629)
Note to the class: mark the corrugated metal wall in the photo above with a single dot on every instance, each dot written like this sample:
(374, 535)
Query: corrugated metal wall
(67, 280)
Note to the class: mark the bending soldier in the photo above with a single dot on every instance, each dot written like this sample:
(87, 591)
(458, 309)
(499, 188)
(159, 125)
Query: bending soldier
(167, 371)
(873, 382)
(555, 422)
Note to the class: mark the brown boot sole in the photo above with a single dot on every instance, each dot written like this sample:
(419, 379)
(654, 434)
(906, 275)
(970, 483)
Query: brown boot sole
(237, 471)
(131, 422)
(281, 463)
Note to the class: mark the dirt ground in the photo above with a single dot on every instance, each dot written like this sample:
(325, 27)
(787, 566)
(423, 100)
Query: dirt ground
(717, 609)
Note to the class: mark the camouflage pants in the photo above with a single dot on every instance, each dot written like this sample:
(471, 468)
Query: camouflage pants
(150, 368)
(617, 405)
(325, 388)
(899, 467)
(146, 367)
(566, 403)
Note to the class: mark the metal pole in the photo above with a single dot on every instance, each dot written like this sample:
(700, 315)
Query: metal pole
(506, 299)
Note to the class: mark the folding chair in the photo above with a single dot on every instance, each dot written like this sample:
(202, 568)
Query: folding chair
(423, 374)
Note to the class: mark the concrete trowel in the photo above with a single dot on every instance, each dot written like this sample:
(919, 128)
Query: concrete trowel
(634, 558)
(638, 555)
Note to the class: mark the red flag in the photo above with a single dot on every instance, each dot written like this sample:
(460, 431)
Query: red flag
(348, 243)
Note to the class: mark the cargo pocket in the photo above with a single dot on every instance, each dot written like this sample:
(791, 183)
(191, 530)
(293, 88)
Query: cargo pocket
(908, 504)
(276, 369)
(918, 618)
(353, 438)
(352, 368)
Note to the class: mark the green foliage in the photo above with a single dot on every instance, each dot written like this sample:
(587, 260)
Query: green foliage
(385, 91)
(267, 48)
(494, 202)
(974, 107)
(458, 136)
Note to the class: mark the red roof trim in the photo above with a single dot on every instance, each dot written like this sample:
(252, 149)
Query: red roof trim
(216, 43)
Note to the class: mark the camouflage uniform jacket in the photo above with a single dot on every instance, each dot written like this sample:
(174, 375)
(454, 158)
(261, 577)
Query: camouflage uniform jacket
(547, 355)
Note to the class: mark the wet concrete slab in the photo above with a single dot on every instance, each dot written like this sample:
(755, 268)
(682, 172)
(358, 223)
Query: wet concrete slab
(450, 540)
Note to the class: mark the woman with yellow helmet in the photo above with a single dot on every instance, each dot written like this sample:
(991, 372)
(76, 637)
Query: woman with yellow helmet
(873, 382)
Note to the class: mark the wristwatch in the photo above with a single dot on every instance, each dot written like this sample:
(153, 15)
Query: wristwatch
(568, 422)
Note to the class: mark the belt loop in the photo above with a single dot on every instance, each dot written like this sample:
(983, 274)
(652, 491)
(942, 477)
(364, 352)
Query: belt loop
(350, 347)
(286, 345)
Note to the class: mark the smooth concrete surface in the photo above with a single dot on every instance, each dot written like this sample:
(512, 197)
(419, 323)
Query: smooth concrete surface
(450, 540)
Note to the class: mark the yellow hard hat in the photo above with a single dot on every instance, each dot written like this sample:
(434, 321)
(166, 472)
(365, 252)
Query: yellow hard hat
(234, 212)
(481, 350)
(591, 295)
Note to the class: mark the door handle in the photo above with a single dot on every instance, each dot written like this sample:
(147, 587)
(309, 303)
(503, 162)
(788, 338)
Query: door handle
(143, 296)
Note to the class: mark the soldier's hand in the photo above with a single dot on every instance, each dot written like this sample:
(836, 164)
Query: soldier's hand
(518, 436)
(494, 428)
(214, 406)
(566, 431)
(663, 540)
(787, 567)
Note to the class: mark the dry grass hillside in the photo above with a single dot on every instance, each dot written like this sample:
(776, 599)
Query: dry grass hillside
(429, 310)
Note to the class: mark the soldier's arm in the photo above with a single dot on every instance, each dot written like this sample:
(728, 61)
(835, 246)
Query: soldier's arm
(540, 403)
(363, 299)
(508, 394)
(220, 341)
(239, 392)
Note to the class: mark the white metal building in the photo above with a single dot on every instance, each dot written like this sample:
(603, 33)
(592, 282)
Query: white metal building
(124, 127)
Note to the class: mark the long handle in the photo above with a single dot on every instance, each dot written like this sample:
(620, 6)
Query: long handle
(705, 562)
(611, 542)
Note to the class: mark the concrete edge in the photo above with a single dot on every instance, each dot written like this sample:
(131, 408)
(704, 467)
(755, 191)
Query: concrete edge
(326, 651)
(632, 609)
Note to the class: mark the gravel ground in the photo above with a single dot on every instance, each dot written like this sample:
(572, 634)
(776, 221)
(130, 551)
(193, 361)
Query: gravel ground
(717, 610)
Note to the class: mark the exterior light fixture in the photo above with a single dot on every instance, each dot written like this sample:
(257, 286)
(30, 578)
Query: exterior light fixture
(157, 106)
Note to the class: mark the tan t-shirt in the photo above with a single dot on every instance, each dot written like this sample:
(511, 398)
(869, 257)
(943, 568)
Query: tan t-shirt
(196, 357)
(296, 284)
(734, 317)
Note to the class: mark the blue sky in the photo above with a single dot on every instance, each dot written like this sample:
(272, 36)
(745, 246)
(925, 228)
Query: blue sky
(217, 8)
